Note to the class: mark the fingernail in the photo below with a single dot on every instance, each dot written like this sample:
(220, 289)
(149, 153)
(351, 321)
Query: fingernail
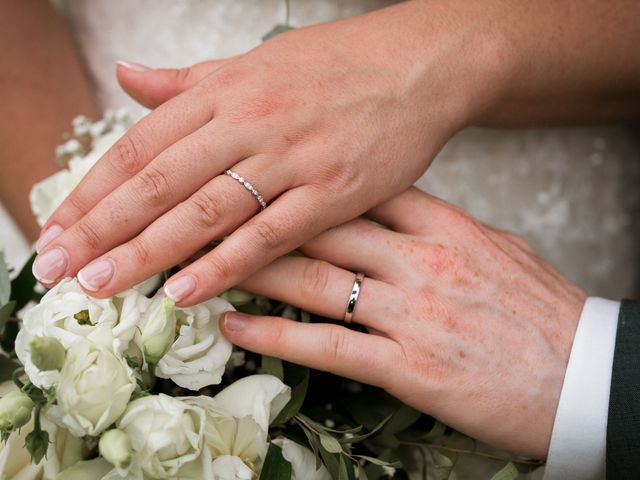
(136, 67)
(47, 236)
(96, 275)
(180, 288)
(235, 322)
(51, 265)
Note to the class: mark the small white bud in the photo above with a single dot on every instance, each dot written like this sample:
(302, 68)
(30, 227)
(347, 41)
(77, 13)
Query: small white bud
(15, 410)
(115, 447)
(159, 332)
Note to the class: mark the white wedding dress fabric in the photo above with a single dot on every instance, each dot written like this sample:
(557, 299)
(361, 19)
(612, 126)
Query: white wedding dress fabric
(573, 193)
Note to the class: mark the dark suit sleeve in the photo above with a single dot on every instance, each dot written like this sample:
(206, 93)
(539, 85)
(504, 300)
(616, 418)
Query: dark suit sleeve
(623, 427)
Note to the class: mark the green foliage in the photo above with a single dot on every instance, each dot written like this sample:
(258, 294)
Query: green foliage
(5, 282)
(297, 377)
(277, 30)
(22, 286)
(508, 472)
(275, 466)
(273, 366)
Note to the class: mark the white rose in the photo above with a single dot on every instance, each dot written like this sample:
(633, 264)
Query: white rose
(94, 469)
(199, 354)
(48, 194)
(228, 467)
(65, 450)
(237, 422)
(94, 389)
(67, 313)
(302, 460)
(167, 436)
(15, 461)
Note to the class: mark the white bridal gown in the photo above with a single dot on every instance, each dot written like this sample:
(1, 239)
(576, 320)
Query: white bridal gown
(573, 193)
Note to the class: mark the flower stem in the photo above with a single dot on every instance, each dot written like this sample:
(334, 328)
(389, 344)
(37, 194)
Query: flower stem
(17, 373)
(533, 463)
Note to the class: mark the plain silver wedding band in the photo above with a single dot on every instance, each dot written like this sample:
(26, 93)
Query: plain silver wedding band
(240, 179)
(353, 297)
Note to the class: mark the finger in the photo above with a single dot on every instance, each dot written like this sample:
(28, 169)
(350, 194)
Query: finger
(332, 348)
(292, 219)
(409, 212)
(360, 246)
(171, 178)
(213, 211)
(324, 289)
(152, 87)
(169, 123)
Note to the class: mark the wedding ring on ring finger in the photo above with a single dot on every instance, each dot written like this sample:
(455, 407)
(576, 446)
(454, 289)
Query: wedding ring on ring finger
(243, 181)
(353, 297)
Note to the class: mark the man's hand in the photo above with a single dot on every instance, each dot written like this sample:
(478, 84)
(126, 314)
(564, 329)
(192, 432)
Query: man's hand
(466, 322)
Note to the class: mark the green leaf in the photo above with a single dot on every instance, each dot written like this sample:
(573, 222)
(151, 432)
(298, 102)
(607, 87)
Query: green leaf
(275, 467)
(362, 475)
(22, 285)
(377, 461)
(402, 419)
(7, 367)
(443, 464)
(508, 472)
(373, 431)
(9, 336)
(5, 281)
(277, 30)
(437, 431)
(37, 443)
(297, 377)
(273, 366)
(5, 313)
(331, 444)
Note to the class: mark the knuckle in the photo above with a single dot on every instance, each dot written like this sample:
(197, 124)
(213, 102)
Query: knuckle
(206, 211)
(128, 154)
(183, 75)
(152, 186)
(315, 278)
(75, 205)
(219, 267)
(266, 236)
(140, 251)
(88, 234)
(335, 349)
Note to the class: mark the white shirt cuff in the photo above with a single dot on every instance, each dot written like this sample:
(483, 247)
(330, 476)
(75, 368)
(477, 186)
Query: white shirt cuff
(578, 446)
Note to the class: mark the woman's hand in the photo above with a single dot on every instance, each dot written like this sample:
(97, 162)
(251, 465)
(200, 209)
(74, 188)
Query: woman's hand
(325, 122)
(466, 322)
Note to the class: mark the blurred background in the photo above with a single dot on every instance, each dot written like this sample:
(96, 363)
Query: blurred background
(573, 193)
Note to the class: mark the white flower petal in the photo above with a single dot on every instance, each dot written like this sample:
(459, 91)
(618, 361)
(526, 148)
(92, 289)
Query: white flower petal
(228, 467)
(260, 396)
(302, 460)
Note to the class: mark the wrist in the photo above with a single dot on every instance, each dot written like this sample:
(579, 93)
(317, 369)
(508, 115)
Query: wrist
(461, 52)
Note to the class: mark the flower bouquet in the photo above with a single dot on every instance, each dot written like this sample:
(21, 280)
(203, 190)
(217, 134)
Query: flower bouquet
(135, 387)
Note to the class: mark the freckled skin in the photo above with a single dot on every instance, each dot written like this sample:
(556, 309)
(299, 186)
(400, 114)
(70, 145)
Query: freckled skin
(467, 324)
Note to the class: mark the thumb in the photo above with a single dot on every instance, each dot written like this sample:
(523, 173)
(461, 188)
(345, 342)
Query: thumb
(154, 86)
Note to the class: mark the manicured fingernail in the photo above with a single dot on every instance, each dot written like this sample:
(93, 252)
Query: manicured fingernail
(51, 265)
(178, 289)
(48, 235)
(96, 275)
(136, 67)
(235, 322)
